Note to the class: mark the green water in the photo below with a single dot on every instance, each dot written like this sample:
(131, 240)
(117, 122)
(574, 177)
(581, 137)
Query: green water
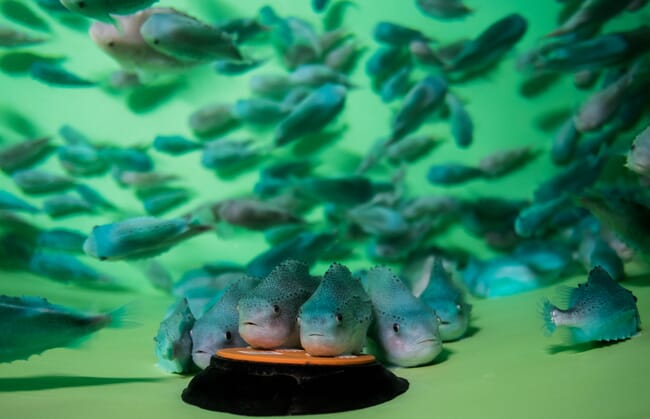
(507, 368)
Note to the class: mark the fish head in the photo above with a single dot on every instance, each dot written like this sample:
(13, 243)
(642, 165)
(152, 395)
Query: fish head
(209, 337)
(453, 318)
(409, 338)
(332, 330)
(267, 323)
(91, 8)
(638, 157)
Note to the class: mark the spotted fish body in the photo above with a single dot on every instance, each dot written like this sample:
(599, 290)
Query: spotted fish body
(335, 319)
(598, 310)
(404, 329)
(173, 342)
(218, 328)
(447, 300)
(31, 325)
(268, 315)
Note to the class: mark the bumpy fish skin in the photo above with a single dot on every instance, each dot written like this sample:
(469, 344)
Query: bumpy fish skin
(31, 325)
(447, 300)
(404, 328)
(312, 114)
(173, 343)
(638, 158)
(268, 315)
(218, 328)
(102, 9)
(335, 319)
(139, 237)
(186, 38)
(598, 310)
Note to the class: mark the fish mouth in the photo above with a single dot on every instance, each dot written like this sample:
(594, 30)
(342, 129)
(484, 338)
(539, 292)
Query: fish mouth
(428, 340)
(249, 324)
(315, 334)
(444, 322)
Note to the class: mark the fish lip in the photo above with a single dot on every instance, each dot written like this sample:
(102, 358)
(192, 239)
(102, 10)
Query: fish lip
(249, 324)
(428, 340)
(315, 334)
(444, 322)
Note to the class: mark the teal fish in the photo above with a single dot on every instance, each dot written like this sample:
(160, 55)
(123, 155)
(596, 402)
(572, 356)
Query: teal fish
(175, 145)
(316, 75)
(536, 219)
(140, 237)
(598, 310)
(271, 85)
(24, 154)
(411, 149)
(397, 35)
(378, 220)
(62, 239)
(452, 174)
(65, 205)
(218, 327)
(229, 155)
(65, 268)
(404, 329)
(312, 114)
(160, 200)
(396, 85)
(252, 214)
(335, 319)
(443, 9)
(502, 162)
(55, 75)
(82, 160)
(37, 181)
(344, 190)
(448, 302)
(213, 277)
(130, 158)
(260, 111)
(173, 342)
(237, 67)
(268, 315)
(94, 198)
(10, 38)
(500, 276)
(565, 143)
(103, 9)
(31, 325)
(462, 127)
(638, 158)
(186, 38)
(9, 201)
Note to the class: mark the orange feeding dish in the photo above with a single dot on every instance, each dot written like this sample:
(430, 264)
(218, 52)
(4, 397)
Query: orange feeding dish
(291, 357)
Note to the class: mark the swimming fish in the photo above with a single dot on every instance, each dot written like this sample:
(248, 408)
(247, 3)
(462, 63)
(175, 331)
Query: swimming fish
(175, 145)
(31, 325)
(397, 35)
(396, 85)
(82, 160)
(10, 38)
(378, 220)
(55, 75)
(448, 302)
(598, 310)
(186, 38)
(462, 127)
(404, 329)
(24, 154)
(139, 237)
(37, 181)
(452, 174)
(535, 219)
(61, 239)
(237, 67)
(252, 214)
(443, 9)
(501, 162)
(312, 114)
(500, 276)
(173, 342)
(268, 315)
(590, 16)
(218, 327)
(423, 98)
(159, 200)
(260, 111)
(638, 157)
(212, 119)
(565, 143)
(102, 9)
(65, 204)
(66, 268)
(316, 75)
(411, 149)
(9, 201)
(335, 319)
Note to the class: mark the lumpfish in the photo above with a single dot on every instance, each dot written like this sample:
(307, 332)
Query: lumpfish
(55, 75)
(65, 268)
(130, 158)
(591, 15)
(378, 220)
(490, 45)
(335, 319)
(102, 9)
(270, 85)
(411, 149)
(9, 201)
(535, 219)
(564, 143)
(10, 38)
(448, 302)
(316, 75)
(594, 251)
(499, 277)
(385, 61)
(252, 214)
(173, 341)
(462, 127)
(186, 38)
(598, 310)
(23, 154)
(319, 5)
(243, 29)
(404, 329)
(175, 145)
(396, 84)
(443, 9)
(268, 315)
(312, 114)
(124, 43)
(545, 256)
(424, 54)
(211, 119)
(210, 276)
(143, 180)
(65, 204)
(343, 57)
(139, 237)
(218, 327)
(502, 162)
(37, 181)
(344, 190)
(225, 155)
(93, 197)
(82, 160)
(306, 247)
(31, 325)
(157, 201)
(452, 174)
(61, 239)
(430, 206)
(237, 67)
(260, 111)
(397, 35)
(580, 174)
(638, 158)
(419, 102)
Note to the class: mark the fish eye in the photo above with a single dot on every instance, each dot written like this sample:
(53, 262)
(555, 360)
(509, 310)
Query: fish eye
(396, 327)
(633, 146)
(339, 317)
(156, 41)
(276, 308)
(111, 44)
(81, 4)
(228, 335)
(459, 307)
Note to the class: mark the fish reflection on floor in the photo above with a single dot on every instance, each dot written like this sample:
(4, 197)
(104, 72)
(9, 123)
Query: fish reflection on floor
(50, 382)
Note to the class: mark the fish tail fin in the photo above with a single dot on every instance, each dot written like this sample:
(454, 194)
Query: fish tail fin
(123, 317)
(546, 310)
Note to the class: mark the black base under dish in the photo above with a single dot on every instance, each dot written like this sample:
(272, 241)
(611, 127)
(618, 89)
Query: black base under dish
(264, 389)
